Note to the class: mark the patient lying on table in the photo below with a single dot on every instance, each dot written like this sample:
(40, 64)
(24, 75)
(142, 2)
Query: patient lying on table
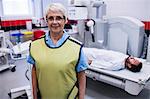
(111, 60)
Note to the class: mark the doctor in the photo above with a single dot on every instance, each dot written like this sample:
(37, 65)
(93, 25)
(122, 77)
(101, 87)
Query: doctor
(111, 60)
(58, 60)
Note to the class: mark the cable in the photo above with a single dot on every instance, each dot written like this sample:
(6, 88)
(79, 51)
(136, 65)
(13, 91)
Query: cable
(26, 74)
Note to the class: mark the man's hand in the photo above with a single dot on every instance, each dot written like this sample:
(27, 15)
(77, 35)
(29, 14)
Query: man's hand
(89, 62)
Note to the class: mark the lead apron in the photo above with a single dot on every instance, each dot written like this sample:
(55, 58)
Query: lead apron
(56, 68)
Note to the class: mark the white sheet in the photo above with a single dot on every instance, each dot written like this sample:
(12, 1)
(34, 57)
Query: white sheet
(105, 59)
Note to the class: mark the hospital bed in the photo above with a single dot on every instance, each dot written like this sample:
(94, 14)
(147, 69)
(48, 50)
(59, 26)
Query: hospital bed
(133, 83)
(125, 34)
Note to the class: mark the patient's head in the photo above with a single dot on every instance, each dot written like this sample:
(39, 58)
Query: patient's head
(133, 64)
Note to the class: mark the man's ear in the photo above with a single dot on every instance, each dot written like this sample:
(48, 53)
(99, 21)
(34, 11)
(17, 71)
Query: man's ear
(66, 21)
(129, 65)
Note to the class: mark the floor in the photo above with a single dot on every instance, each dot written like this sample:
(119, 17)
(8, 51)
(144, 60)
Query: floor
(98, 90)
(94, 90)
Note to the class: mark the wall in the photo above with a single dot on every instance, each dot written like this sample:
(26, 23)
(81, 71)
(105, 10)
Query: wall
(133, 8)
(46, 2)
(148, 9)
(1, 7)
(38, 9)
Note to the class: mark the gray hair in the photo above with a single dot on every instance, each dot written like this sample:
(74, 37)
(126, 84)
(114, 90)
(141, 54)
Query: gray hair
(56, 7)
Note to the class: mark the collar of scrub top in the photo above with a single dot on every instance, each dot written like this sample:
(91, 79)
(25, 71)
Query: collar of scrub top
(49, 41)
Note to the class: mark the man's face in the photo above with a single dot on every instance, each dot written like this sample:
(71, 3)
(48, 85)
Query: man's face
(133, 61)
(56, 22)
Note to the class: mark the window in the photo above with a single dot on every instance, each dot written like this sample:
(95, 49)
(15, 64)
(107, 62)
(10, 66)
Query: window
(17, 7)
